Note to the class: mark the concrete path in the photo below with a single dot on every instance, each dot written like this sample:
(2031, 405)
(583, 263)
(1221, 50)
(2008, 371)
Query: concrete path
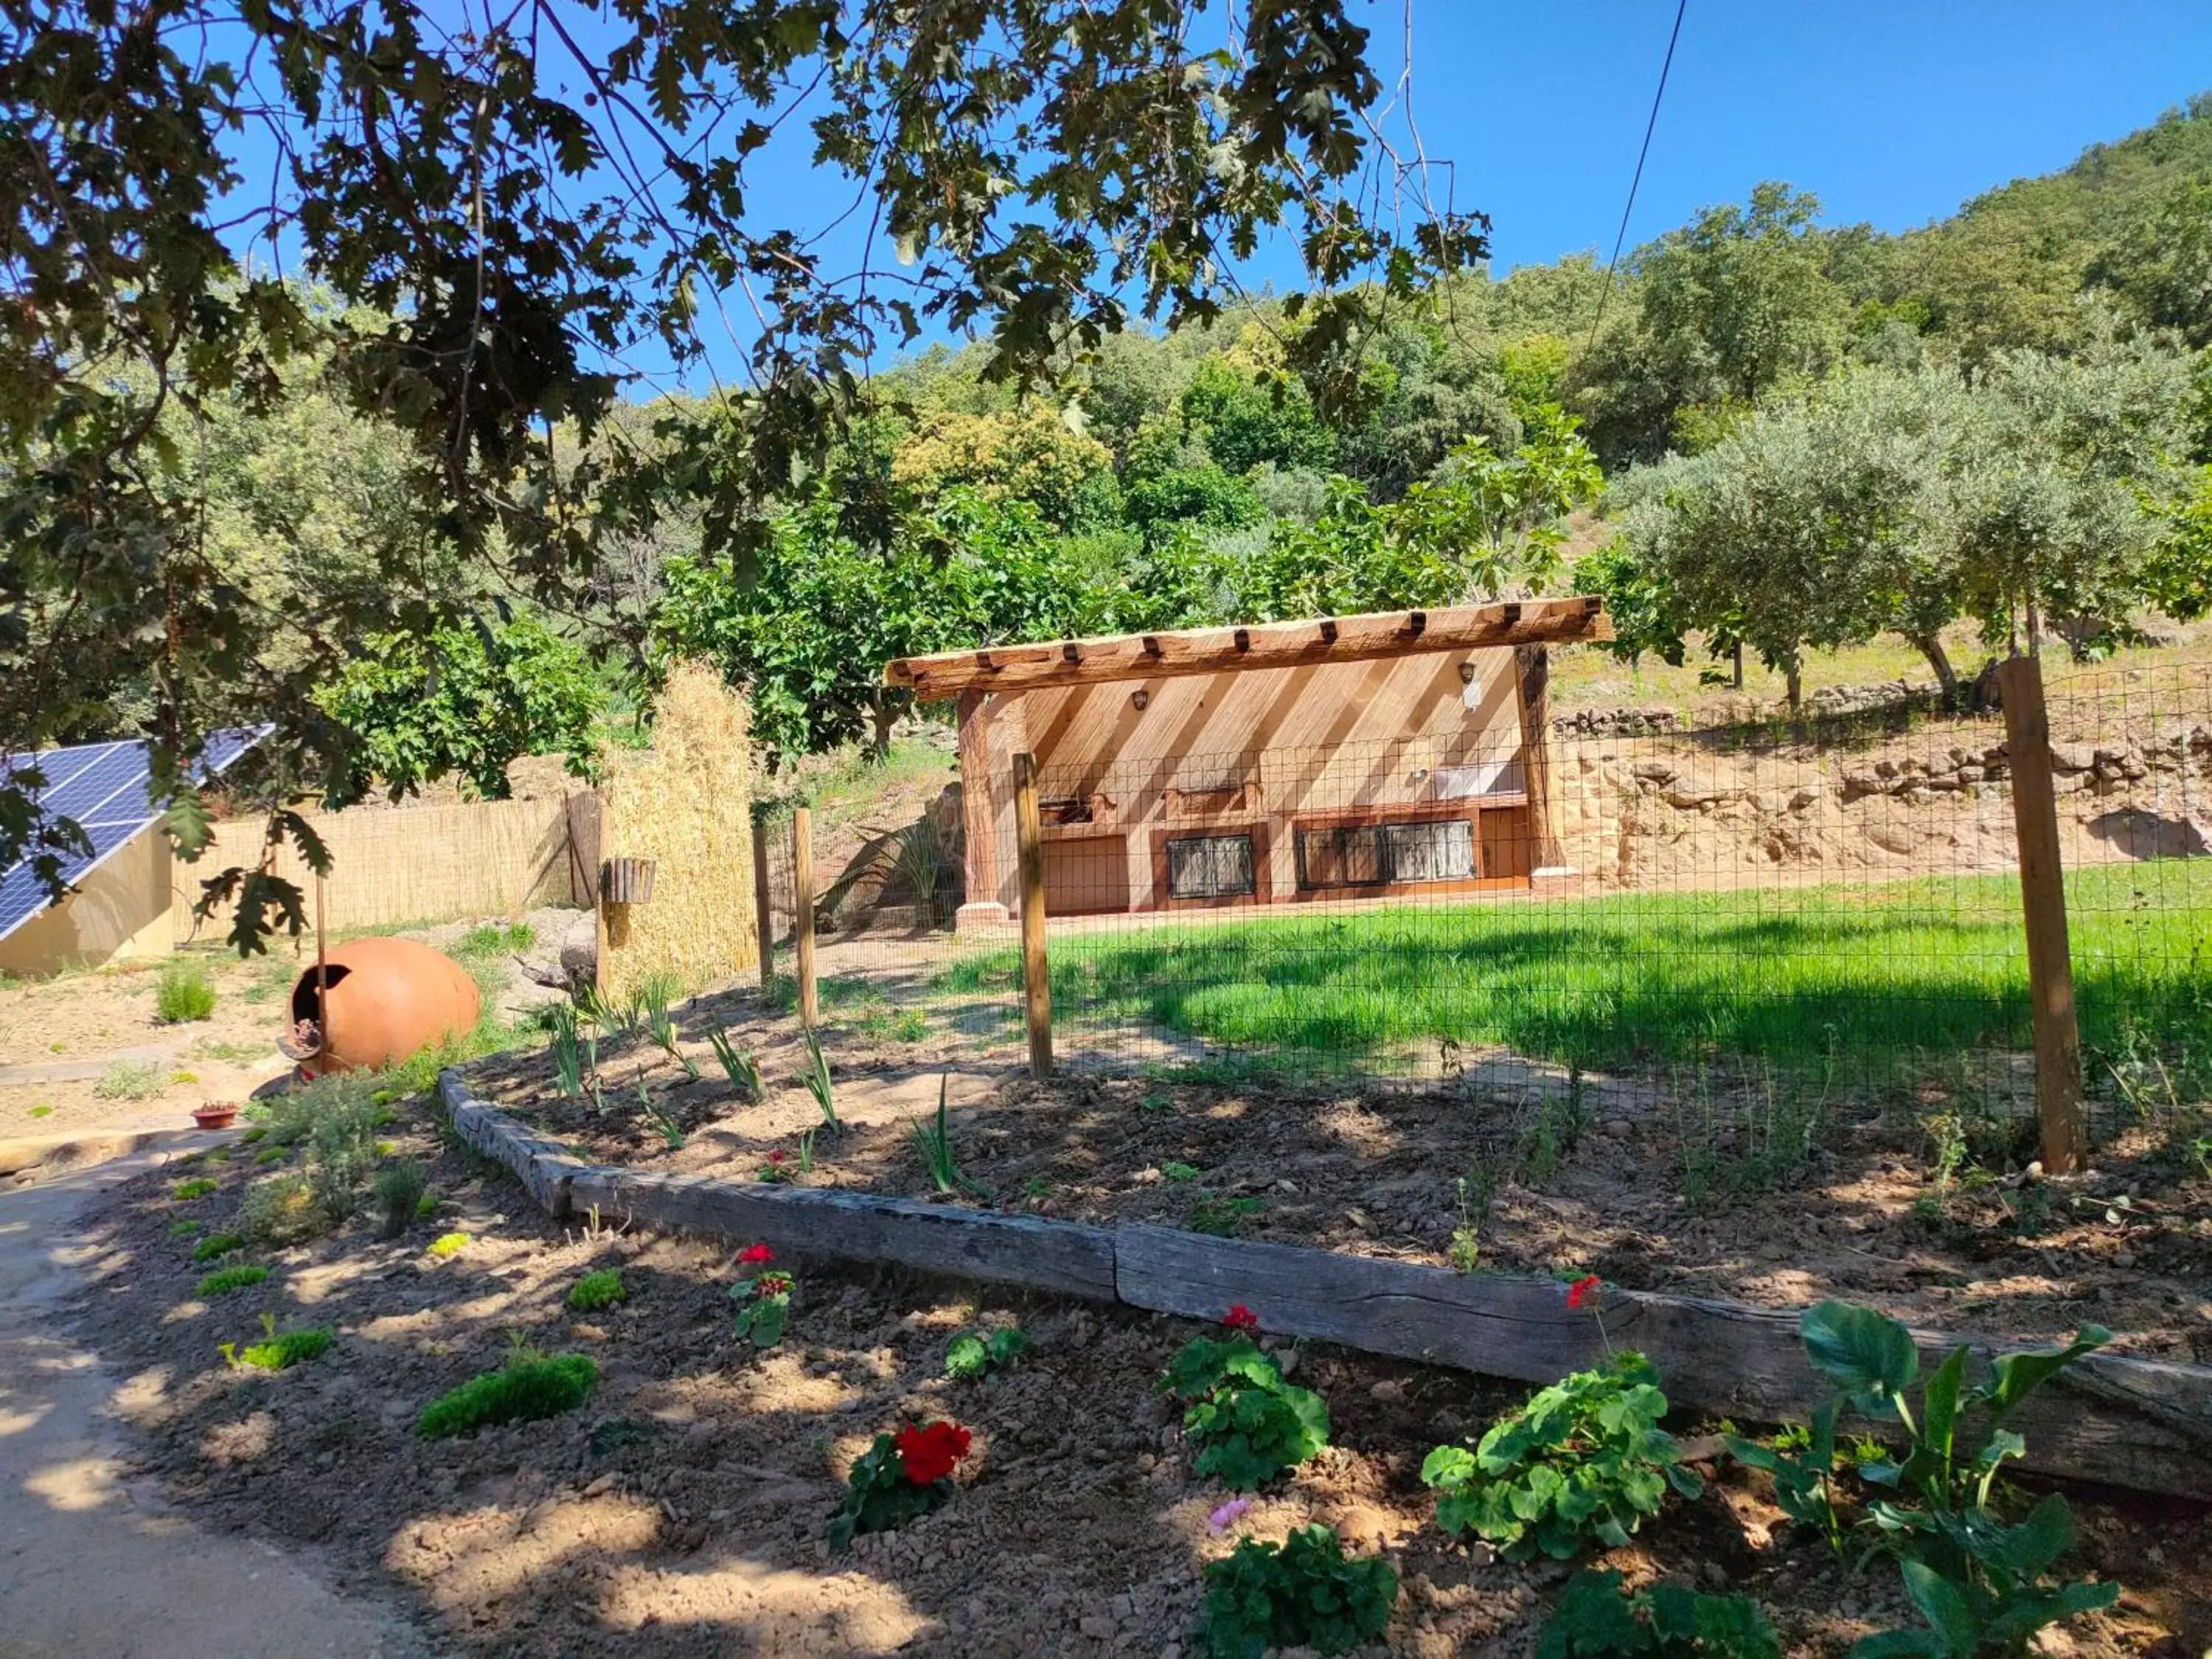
(93, 1563)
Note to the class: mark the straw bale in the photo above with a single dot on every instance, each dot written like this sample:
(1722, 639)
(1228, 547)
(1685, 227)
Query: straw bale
(687, 805)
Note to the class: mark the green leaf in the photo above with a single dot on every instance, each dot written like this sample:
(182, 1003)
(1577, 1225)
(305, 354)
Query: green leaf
(2029, 1548)
(1943, 1604)
(1939, 1414)
(2016, 1376)
(1870, 1356)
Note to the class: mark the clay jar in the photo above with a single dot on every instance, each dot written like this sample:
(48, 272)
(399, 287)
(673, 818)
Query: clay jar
(388, 1000)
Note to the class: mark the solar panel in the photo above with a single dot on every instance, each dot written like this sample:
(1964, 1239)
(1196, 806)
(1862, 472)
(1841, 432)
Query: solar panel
(104, 788)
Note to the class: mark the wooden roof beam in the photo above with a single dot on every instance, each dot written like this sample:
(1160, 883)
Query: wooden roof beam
(1265, 645)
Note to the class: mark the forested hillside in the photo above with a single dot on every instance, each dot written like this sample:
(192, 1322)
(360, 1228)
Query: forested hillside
(1799, 435)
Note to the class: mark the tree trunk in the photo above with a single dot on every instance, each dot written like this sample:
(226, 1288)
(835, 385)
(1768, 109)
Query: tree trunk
(1739, 664)
(2034, 628)
(883, 716)
(1796, 672)
(1931, 646)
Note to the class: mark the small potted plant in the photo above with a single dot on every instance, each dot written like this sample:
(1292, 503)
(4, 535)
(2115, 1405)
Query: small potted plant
(215, 1114)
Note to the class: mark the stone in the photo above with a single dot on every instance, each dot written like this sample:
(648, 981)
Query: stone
(2072, 757)
(1616, 1128)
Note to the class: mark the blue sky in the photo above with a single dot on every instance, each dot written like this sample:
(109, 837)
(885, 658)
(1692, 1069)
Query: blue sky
(1892, 113)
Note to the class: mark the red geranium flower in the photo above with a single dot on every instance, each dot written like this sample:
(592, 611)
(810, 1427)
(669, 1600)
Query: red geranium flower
(778, 1156)
(928, 1453)
(755, 1253)
(772, 1284)
(1241, 1318)
(1581, 1292)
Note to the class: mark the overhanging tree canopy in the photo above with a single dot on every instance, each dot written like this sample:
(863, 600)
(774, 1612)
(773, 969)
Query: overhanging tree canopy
(526, 196)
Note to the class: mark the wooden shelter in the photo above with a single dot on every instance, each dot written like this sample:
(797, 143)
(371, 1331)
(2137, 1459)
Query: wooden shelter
(1283, 762)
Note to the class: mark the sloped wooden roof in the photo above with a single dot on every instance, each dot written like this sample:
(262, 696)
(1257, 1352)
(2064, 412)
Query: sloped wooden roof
(1261, 645)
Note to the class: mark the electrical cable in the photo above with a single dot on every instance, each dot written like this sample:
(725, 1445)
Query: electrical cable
(1621, 237)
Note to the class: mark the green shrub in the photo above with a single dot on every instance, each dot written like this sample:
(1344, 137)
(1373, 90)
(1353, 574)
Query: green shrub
(280, 1350)
(186, 992)
(398, 1191)
(973, 1353)
(446, 1246)
(1595, 1620)
(282, 1210)
(129, 1079)
(187, 1229)
(265, 1156)
(218, 1244)
(198, 1186)
(594, 1290)
(1250, 1424)
(518, 1394)
(1301, 1593)
(223, 1280)
(1583, 1461)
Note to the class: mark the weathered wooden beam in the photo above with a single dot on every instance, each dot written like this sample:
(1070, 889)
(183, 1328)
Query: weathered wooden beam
(2136, 1422)
(1269, 645)
(544, 1167)
(1062, 1257)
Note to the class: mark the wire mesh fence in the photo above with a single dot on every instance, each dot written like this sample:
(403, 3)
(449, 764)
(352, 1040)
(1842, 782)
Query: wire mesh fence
(1781, 911)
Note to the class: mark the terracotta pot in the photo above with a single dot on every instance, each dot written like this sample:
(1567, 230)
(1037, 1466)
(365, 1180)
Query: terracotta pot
(218, 1116)
(389, 999)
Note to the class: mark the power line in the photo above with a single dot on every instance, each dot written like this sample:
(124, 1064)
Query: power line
(1621, 237)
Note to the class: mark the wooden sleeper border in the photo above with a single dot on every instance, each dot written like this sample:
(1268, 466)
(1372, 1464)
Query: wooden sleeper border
(2141, 1424)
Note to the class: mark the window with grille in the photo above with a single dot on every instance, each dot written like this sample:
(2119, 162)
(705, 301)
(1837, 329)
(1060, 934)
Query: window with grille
(1209, 867)
(1377, 854)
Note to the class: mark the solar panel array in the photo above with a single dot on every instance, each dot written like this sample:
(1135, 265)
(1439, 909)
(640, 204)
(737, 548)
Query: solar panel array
(104, 788)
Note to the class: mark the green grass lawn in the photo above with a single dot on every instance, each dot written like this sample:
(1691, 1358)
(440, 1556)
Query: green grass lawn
(1867, 977)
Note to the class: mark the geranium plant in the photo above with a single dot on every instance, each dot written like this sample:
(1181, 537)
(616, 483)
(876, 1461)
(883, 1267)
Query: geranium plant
(763, 1297)
(1302, 1593)
(1584, 1461)
(1250, 1424)
(900, 1476)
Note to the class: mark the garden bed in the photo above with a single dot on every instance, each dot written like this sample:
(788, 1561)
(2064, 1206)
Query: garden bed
(682, 1509)
(1761, 1196)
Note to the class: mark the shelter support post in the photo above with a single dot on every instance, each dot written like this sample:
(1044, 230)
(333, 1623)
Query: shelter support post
(980, 902)
(763, 912)
(1532, 681)
(1037, 980)
(2042, 902)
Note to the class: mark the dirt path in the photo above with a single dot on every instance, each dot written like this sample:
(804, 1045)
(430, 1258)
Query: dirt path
(93, 1563)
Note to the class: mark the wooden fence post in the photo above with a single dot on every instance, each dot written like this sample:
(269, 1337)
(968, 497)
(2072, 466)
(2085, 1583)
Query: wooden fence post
(763, 900)
(2043, 902)
(802, 897)
(1036, 975)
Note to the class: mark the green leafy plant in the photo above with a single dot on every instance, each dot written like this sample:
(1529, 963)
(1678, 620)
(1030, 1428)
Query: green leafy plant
(523, 1390)
(1585, 1461)
(1224, 1217)
(1801, 1462)
(1303, 1592)
(280, 1350)
(567, 1049)
(1250, 1423)
(129, 1079)
(223, 1280)
(446, 1246)
(601, 1289)
(763, 1297)
(186, 992)
(398, 1193)
(933, 1141)
(1595, 1619)
(975, 1353)
(666, 1128)
(1172, 1171)
(218, 1244)
(738, 1064)
(187, 1229)
(899, 1477)
(198, 1186)
(818, 1082)
(655, 993)
(1980, 1583)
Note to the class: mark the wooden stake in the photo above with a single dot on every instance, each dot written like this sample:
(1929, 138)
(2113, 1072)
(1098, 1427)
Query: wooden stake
(763, 915)
(2043, 903)
(802, 897)
(1037, 975)
(322, 984)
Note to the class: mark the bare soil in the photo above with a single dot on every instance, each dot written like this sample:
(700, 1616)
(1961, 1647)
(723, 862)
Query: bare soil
(1602, 1179)
(681, 1511)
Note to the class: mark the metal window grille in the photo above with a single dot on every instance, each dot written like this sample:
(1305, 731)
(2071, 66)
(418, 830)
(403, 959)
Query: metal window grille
(1209, 867)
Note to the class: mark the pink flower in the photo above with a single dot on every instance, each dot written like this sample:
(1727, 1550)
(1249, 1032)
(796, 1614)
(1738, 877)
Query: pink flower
(1581, 1292)
(1241, 1318)
(1228, 1515)
(754, 1253)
